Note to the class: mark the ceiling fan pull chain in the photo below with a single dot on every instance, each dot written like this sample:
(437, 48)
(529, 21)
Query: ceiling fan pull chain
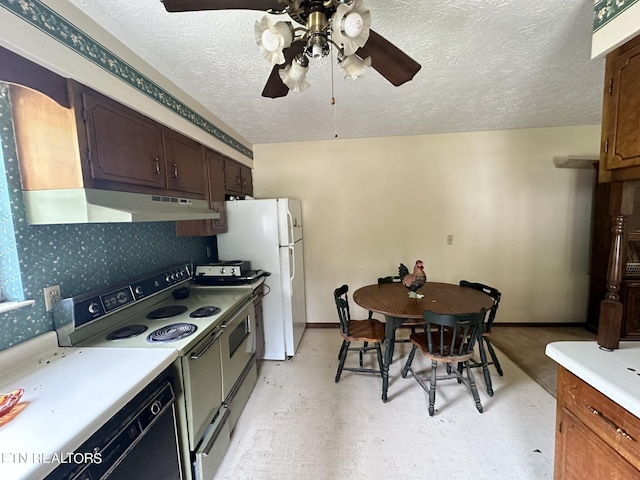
(333, 102)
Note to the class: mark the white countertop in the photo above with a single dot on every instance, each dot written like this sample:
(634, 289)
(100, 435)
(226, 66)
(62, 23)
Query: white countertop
(615, 374)
(69, 394)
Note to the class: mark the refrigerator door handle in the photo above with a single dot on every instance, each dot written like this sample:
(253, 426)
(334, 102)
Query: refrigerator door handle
(290, 227)
(292, 273)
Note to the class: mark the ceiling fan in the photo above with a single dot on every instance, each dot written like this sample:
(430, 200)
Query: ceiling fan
(321, 23)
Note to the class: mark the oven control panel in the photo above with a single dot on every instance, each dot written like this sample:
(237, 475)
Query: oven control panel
(92, 306)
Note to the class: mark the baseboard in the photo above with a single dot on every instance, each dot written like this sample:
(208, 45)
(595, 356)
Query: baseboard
(540, 324)
(501, 324)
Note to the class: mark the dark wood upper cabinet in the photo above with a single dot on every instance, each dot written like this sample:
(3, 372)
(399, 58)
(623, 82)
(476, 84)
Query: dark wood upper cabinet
(215, 164)
(128, 151)
(247, 180)
(185, 164)
(238, 178)
(232, 177)
(216, 180)
(123, 146)
(98, 143)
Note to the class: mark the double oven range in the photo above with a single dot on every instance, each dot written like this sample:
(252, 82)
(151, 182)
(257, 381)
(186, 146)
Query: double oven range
(213, 331)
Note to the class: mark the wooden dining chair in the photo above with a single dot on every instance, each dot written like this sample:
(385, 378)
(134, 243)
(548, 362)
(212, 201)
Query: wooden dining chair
(369, 331)
(449, 339)
(483, 340)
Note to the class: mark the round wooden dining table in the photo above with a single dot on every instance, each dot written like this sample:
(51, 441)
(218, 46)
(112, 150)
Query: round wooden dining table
(392, 300)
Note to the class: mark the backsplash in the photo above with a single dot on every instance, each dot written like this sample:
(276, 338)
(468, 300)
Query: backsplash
(78, 257)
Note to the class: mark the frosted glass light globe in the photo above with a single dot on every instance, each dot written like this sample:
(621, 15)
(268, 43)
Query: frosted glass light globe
(270, 41)
(353, 24)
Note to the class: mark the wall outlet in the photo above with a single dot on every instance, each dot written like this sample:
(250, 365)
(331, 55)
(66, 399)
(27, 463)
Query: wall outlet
(51, 296)
(449, 239)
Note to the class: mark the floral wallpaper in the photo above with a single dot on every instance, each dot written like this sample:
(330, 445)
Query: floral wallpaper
(42, 17)
(606, 10)
(79, 257)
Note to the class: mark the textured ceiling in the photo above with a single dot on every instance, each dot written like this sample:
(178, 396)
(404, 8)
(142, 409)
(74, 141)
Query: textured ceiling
(486, 65)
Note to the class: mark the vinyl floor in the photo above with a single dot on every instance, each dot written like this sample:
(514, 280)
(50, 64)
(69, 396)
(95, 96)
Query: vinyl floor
(300, 425)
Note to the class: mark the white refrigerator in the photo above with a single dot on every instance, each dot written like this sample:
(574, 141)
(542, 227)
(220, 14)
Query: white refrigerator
(268, 232)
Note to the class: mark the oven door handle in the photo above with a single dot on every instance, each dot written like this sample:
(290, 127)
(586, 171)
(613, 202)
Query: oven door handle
(238, 321)
(214, 339)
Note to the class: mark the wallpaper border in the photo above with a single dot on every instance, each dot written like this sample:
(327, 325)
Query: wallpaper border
(606, 10)
(57, 27)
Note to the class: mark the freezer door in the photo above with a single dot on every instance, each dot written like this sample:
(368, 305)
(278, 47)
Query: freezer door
(289, 221)
(293, 296)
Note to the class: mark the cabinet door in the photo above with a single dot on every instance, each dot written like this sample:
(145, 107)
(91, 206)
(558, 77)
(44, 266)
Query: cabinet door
(581, 454)
(215, 167)
(206, 227)
(247, 180)
(232, 177)
(124, 146)
(185, 164)
(621, 109)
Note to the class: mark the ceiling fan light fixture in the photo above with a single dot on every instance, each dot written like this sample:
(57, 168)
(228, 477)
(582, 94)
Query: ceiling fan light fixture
(354, 66)
(294, 75)
(350, 26)
(273, 39)
(353, 24)
(317, 46)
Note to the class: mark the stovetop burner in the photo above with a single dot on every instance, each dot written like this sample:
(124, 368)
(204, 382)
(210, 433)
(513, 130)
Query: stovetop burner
(127, 331)
(172, 332)
(166, 312)
(206, 311)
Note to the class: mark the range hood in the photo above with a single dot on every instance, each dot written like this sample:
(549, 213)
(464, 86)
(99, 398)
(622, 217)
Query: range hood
(85, 205)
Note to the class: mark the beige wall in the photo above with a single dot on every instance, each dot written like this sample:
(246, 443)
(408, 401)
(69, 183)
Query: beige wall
(519, 224)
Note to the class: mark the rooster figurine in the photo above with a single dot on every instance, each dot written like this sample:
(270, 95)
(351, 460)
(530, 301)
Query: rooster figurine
(413, 281)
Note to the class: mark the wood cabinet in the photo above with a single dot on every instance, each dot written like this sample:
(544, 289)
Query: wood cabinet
(185, 164)
(125, 147)
(620, 154)
(619, 164)
(601, 240)
(631, 302)
(99, 143)
(595, 437)
(238, 178)
(215, 177)
(122, 145)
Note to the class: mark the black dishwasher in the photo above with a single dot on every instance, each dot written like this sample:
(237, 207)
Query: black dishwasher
(140, 441)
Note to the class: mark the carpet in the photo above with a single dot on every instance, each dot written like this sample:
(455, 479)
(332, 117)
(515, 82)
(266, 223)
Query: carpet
(525, 346)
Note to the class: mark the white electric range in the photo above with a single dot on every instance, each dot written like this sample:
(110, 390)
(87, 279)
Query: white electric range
(213, 331)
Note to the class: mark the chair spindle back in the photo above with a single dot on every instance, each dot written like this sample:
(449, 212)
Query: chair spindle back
(452, 335)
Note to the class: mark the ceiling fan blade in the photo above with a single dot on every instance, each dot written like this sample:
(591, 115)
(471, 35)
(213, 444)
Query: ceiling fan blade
(197, 5)
(390, 62)
(274, 88)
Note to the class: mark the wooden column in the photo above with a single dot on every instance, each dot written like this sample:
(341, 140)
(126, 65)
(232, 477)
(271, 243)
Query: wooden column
(611, 310)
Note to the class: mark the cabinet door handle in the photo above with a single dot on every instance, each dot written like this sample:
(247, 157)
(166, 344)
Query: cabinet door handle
(610, 423)
(175, 170)
(157, 165)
